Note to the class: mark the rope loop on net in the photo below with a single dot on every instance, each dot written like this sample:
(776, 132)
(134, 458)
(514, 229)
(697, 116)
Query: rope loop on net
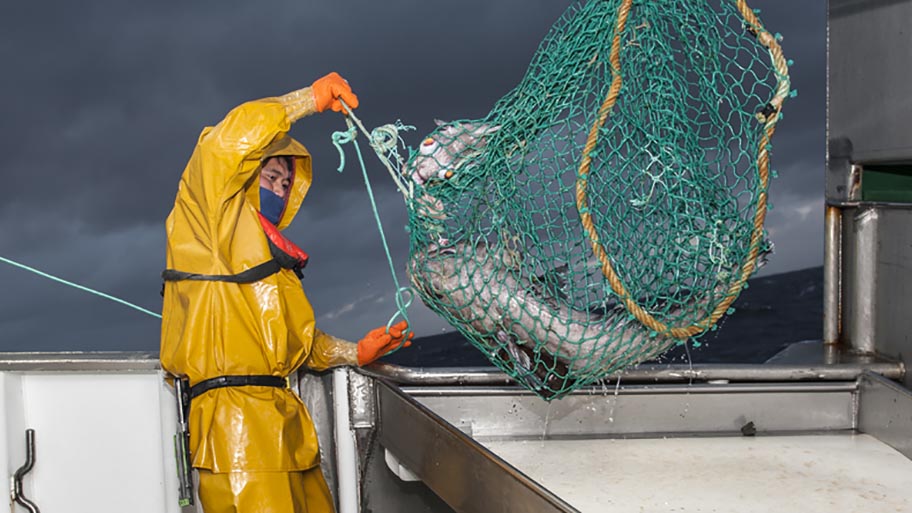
(769, 116)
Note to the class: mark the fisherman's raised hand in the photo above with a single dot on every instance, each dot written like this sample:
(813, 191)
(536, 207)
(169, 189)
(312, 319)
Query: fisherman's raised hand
(378, 342)
(329, 90)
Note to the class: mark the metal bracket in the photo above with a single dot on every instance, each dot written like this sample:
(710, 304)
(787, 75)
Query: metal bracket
(362, 399)
(843, 178)
(16, 485)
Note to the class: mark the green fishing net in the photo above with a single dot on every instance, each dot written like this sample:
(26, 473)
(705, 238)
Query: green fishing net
(612, 204)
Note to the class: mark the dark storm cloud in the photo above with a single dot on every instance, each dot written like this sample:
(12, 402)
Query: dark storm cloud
(103, 102)
(119, 91)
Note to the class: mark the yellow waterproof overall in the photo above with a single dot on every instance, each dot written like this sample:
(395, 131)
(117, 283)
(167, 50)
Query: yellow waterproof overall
(255, 447)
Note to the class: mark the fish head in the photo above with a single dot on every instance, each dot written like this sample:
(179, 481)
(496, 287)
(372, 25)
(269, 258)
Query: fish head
(445, 152)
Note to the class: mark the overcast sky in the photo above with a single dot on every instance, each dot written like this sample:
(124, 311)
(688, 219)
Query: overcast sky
(102, 103)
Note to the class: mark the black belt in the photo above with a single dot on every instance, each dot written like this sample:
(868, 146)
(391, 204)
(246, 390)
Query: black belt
(237, 381)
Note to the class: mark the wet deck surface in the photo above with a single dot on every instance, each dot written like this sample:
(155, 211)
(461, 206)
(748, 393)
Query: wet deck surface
(802, 474)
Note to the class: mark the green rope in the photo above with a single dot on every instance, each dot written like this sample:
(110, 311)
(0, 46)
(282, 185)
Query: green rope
(384, 141)
(80, 287)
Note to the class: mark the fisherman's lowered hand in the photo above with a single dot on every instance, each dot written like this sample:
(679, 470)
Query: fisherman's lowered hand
(378, 342)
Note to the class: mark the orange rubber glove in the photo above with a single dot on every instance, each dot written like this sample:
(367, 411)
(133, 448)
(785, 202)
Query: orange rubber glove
(378, 342)
(328, 90)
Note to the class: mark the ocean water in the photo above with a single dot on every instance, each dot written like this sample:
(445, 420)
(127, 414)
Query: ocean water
(772, 313)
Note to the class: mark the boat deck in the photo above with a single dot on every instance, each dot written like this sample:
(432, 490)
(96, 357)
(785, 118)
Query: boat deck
(786, 436)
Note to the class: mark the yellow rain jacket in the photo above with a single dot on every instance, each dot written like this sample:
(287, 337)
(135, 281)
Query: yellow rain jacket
(217, 328)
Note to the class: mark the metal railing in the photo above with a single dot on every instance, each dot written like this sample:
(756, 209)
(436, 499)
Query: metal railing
(655, 373)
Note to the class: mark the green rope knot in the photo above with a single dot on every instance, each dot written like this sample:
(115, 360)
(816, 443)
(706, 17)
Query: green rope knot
(343, 137)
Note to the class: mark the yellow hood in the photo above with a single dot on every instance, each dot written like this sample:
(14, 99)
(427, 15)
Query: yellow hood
(285, 146)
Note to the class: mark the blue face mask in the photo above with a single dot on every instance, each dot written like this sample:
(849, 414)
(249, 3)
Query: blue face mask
(271, 205)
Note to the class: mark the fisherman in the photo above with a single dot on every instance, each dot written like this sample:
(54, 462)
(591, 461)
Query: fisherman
(235, 320)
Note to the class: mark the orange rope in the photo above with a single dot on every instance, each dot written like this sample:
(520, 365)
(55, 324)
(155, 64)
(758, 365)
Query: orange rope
(582, 182)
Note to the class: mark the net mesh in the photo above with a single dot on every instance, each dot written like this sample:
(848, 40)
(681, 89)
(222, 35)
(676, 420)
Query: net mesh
(612, 204)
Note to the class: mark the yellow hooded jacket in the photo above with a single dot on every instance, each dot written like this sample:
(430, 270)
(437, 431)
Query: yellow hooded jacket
(217, 328)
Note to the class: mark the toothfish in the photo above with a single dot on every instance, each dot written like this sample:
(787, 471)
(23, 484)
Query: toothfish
(547, 344)
(521, 322)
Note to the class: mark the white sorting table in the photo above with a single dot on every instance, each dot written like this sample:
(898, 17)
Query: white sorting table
(833, 473)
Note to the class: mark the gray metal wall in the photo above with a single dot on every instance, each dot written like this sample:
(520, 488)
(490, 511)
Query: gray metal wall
(870, 70)
(877, 280)
(868, 295)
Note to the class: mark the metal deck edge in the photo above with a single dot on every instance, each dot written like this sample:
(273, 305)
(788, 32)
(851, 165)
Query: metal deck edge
(81, 361)
(885, 412)
(461, 472)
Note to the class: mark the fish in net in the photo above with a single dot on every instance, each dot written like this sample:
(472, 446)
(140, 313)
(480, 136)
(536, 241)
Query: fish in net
(612, 204)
